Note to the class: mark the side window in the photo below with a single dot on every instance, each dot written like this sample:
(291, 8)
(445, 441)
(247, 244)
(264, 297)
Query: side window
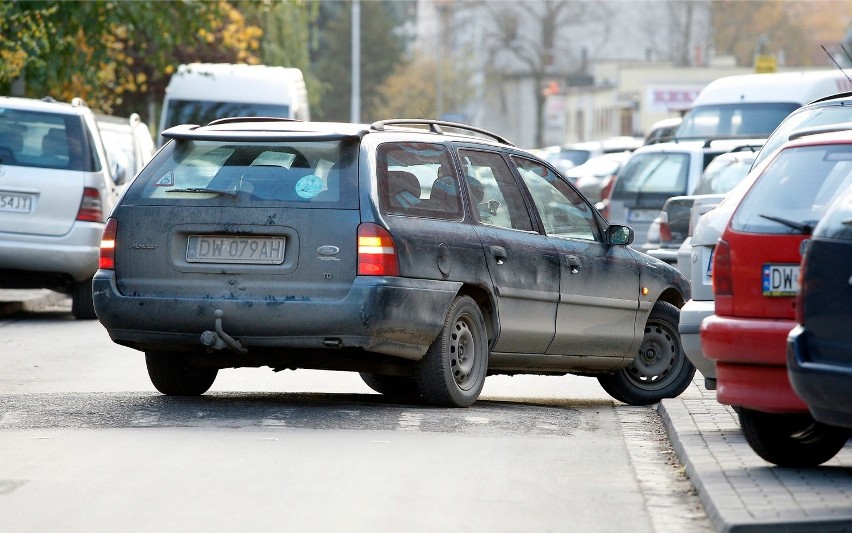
(564, 212)
(494, 194)
(417, 179)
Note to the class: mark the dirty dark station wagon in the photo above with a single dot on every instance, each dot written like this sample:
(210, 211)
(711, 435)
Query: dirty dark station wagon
(425, 255)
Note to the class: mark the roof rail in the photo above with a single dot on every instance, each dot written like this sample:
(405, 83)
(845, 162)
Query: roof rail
(230, 120)
(435, 127)
(830, 128)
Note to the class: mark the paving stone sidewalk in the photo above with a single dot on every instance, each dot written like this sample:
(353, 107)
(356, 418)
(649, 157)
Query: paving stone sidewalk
(742, 492)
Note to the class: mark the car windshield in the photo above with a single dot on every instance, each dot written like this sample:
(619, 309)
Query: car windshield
(794, 190)
(723, 174)
(806, 117)
(309, 173)
(655, 172)
(733, 120)
(202, 112)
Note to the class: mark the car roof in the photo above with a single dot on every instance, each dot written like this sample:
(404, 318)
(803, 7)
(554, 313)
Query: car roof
(76, 107)
(272, 128)
(843, 136)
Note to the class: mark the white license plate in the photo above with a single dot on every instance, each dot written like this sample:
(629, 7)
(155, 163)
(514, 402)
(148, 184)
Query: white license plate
(16, 203)
(642, 215)
(780, 280)
(240, 250)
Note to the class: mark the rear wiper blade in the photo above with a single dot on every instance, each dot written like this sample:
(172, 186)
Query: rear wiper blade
(232, 194)
(803, 227)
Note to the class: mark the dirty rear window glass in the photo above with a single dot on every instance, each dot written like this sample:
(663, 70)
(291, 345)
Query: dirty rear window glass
(45, 140)
(303, 173)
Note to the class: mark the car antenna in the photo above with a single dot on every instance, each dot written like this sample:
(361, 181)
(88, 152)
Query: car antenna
(835, 62)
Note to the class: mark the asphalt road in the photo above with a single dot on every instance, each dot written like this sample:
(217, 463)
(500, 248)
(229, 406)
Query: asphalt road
(87, 444)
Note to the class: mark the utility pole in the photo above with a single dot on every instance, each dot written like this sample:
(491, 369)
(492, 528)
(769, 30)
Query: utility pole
(355, 109)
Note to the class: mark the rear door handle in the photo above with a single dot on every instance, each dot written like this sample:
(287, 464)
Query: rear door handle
(499, 253)
(573, 263)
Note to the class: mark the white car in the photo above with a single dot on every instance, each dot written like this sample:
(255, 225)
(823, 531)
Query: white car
(56, 190)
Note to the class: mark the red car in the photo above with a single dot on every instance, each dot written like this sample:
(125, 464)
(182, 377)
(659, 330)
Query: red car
(755, 281)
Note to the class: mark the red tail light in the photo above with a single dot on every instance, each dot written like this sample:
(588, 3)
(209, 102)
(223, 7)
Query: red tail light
(91, 207)
(606, 186)
(376, 251)
(107, 261)
(723, 282)
(665, 229)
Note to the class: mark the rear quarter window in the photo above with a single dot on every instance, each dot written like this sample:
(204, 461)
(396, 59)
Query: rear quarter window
(795, 189)
(302, 173)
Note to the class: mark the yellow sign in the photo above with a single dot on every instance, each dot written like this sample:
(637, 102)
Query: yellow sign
(764, 64)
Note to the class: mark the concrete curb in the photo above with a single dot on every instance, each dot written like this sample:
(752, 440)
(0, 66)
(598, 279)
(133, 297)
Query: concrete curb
(13, 302)
(740, 491)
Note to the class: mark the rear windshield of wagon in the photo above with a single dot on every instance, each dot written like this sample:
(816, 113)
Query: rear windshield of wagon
(304, 173)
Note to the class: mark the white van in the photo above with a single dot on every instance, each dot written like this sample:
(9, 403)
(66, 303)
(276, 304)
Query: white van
(201, 92)
(752, 105)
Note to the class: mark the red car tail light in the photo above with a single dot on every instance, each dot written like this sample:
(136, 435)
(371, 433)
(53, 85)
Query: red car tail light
(665, 229)
(376, 251)
(91, 207)
(723, 281)
(107, 259)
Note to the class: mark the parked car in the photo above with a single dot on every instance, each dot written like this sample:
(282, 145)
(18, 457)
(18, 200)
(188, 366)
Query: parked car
(575, 154)
(655, 173)
(755, 281)
(671, 227)
(694, 257)
(819, 348)
(423, 254)
(821, 115)
(662, 130)
(128, 143)
(55, 192)
(591, 175)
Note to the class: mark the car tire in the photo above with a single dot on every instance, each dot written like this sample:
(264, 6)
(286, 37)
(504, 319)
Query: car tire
(401, 387)
(660, 369)
(792, 440)
(82, 306)
(172, 375)
(453, 371)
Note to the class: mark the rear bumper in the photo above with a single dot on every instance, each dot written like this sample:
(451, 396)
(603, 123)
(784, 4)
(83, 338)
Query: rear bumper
(394, 316)
(825, 388)
(74, 254)
(750, 359)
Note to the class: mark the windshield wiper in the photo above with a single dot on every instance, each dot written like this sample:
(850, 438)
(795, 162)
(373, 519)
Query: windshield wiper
(232, 194)
(802, 227)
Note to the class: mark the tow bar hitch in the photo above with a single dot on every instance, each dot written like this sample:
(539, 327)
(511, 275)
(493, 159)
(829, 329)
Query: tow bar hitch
(219, 340)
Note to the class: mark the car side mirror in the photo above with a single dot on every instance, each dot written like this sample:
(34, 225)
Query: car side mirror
(119, 173)
(619, 235)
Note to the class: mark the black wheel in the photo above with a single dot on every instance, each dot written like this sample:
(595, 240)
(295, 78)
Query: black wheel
(82, 306)
(453, 371)
(660, 369)
(401, 387)
(172, 375)
(795, 440)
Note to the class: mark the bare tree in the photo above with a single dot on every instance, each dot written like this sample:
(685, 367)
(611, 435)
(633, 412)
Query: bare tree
(535, 36)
